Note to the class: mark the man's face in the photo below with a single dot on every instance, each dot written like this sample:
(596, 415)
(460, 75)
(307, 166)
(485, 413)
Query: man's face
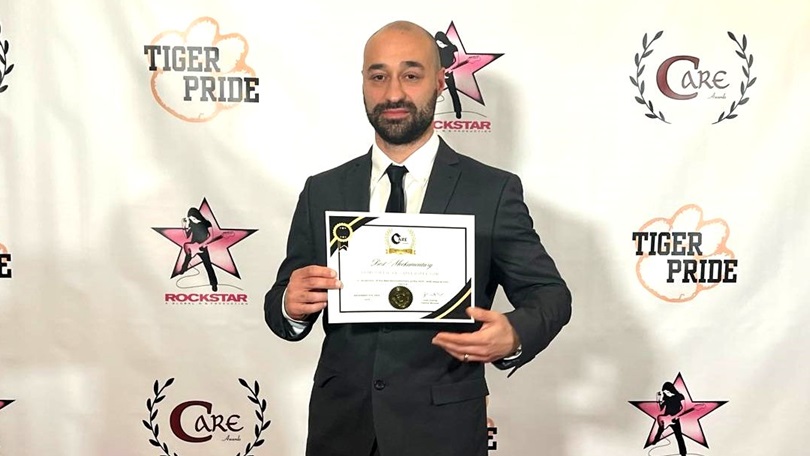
(401, 84)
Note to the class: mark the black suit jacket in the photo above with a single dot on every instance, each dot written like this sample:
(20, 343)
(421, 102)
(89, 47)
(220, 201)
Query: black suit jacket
(388, 381)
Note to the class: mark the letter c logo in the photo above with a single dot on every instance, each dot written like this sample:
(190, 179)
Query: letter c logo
(661, 77)
(177, 427)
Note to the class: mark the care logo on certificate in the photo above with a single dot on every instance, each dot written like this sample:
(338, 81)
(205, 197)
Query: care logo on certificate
(401, 267)
(400, 243)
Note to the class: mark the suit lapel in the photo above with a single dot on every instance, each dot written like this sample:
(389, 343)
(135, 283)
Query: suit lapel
(356, 197)
(442, 182)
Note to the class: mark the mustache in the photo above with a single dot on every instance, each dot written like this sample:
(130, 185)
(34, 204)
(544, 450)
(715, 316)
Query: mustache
(394, 105)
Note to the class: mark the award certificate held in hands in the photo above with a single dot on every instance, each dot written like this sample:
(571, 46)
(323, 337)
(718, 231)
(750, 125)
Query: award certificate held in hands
(401, 267)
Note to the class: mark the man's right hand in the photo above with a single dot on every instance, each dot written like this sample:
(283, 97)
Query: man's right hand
(306, 292)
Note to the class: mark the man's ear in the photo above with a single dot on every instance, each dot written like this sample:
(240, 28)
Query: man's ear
(440, 83)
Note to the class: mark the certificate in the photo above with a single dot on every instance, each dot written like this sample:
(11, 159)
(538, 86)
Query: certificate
(401, 267)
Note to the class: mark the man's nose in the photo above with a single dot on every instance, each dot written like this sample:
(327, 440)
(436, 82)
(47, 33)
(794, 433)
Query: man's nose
(394, 90)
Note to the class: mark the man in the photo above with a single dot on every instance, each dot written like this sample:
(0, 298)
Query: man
(414, 389)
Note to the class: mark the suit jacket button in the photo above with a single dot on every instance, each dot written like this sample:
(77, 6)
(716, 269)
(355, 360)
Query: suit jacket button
(379, 385)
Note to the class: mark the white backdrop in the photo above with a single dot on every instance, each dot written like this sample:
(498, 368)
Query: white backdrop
(91, 162)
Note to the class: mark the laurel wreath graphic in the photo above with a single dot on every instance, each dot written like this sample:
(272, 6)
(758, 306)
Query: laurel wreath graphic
(261, 407)
(151, 407)
(744, 85)
(6, 70)
(154, 428)
(645, 52)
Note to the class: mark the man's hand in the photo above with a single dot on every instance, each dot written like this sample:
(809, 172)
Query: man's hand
(495, 340)
(306, 292)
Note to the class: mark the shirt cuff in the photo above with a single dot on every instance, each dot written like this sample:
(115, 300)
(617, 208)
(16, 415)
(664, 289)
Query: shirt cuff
(297, 326)
(516, 355)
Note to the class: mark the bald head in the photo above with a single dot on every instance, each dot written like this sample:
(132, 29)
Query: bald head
(402, 80)
(401, 32)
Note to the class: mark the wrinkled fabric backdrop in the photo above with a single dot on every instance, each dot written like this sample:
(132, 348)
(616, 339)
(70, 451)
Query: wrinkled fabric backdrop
(666, 175)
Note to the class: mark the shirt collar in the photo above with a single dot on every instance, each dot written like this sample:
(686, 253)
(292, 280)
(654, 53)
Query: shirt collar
(419, 163)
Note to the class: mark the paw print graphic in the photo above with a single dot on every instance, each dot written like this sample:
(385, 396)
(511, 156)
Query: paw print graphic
(681, 256)
(198, 73)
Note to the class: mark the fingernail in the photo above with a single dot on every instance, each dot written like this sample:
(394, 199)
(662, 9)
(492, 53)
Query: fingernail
(339, 283)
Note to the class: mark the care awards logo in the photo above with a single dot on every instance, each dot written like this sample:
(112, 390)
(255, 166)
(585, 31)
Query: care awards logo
(5, 65)
(5, 262)
(460, 69)
(676, 83)
(197, 73)
(203, 242)
(683, 255)
(675, 413)
(217, 421)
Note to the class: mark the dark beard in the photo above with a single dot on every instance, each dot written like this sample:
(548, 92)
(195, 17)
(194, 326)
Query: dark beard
(399, 132)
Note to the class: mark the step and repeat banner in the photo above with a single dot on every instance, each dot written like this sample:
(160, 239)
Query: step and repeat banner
(664, 150)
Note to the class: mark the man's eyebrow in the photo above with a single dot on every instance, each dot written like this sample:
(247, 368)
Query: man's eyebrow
(406, 64)
(412, 64)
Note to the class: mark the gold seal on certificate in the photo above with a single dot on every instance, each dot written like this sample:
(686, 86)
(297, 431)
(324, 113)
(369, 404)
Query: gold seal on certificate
(387, 279)
(342, 232)
(400, 297)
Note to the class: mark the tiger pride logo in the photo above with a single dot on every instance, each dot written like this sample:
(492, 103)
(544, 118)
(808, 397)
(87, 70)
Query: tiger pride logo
(199, 72)
(684, 255)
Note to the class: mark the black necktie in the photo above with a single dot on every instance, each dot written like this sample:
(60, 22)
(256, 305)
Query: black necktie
(396, 200)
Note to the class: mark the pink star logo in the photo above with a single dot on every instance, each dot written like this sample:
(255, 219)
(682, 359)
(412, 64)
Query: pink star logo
(5, 403)
(689, 416)
(466, 65)
(218, 248)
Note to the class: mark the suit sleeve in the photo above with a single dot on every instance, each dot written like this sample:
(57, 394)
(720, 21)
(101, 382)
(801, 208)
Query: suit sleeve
(528, 276)
(300, 253)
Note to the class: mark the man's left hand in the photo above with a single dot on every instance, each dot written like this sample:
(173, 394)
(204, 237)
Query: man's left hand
(495, 340)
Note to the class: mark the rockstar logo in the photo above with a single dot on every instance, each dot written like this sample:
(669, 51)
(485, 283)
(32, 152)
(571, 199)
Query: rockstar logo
(675, 412)
(5, 403)
(465, 64)
(202, 240)
(460, 67)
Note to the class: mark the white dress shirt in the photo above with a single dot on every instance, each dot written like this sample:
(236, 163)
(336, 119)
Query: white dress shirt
(419, 165)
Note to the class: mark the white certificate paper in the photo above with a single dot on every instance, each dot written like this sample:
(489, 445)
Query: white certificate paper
(401, 267)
